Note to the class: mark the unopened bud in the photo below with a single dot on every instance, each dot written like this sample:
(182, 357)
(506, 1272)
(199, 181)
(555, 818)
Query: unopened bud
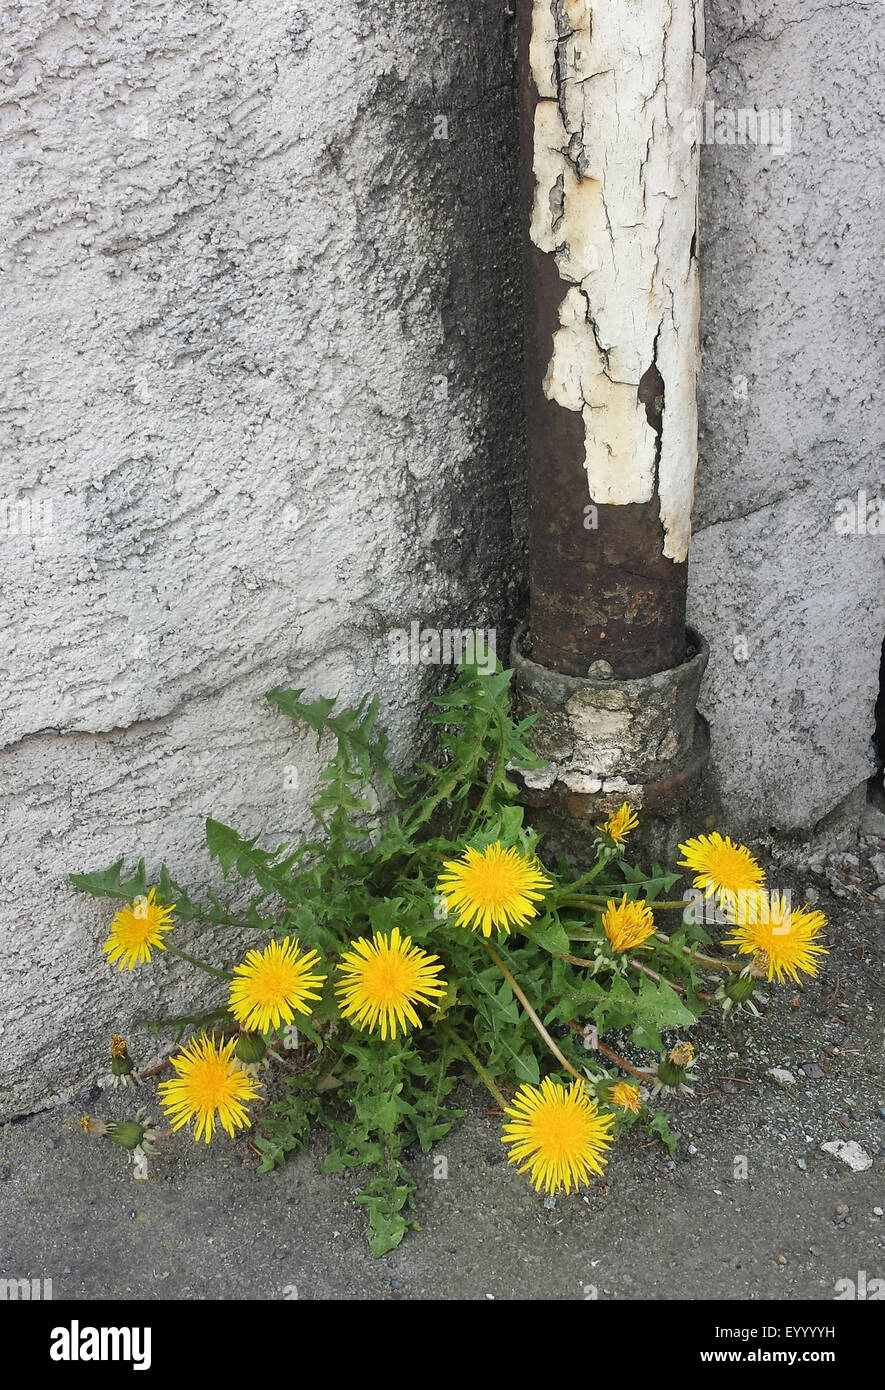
(123, 1071)
(127, 1133)
(740, 987)
(250, 1048)
(672, 1068)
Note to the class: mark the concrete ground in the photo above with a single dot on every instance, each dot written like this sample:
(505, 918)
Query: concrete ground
(206, 1226)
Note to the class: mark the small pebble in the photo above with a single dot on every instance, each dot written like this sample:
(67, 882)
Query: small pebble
(800, 1163)
(851, 1154)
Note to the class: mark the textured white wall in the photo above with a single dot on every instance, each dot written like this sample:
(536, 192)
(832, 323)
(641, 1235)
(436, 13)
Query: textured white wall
(261, 348)
(791, 418)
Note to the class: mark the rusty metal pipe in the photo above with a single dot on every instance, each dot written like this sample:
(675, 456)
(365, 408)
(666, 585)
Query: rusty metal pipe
(603, 587)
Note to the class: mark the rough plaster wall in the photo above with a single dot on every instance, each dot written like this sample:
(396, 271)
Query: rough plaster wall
(261, 331)
(790, 406)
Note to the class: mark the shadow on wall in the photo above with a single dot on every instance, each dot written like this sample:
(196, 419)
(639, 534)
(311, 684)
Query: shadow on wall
(435, 160)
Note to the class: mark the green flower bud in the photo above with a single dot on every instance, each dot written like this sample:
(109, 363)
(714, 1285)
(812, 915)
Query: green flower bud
(675, 1066)
(250, 1048)
(740, 987)
(127, 1133)
(669, 1074)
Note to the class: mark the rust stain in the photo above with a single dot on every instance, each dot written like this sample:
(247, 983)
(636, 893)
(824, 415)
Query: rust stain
(597, 592)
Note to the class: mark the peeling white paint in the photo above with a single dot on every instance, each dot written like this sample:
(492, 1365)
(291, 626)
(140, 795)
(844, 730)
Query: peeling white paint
(615, 203)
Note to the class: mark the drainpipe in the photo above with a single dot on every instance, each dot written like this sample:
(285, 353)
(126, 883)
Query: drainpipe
(609, 96)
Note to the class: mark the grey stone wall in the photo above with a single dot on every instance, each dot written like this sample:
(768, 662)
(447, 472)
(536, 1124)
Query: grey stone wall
(262, 404)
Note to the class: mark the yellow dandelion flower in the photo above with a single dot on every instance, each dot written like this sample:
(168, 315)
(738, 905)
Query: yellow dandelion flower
(136, 928)
(721, 867)
(627, 924)
(272, 985)
(209, 1084)
(764, 926)
(625, 1096)
(382, 981)
(557, 1134)
(493, 887)
(118, 1045)
(620, 823)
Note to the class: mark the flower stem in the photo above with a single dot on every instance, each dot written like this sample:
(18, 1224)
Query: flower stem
(596, 901)
(662, 979)
(631, 960)
(613, 1056)
(493, 955)
(712, 962)
(653, 974)
(588, 877)
(470, 1056)
(200, 964)
(576, 960)
(495, 777)
(675, 905)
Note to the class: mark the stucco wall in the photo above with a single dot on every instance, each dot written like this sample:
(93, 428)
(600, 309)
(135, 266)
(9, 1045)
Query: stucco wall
(262, 337)
(263, 330)
(791, 324)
